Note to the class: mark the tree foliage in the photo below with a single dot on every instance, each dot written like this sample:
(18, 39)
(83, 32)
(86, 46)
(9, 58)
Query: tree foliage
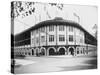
(59, 6)
(23, 9)
(19, 8)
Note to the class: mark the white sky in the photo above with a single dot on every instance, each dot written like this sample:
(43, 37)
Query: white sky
(88, 16)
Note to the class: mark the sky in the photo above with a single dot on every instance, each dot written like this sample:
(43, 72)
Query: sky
(87, 14)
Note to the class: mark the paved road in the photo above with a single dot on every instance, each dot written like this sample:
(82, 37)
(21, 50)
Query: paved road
(62, 63)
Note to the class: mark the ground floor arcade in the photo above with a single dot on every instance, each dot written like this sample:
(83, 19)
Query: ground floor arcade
(52, 50)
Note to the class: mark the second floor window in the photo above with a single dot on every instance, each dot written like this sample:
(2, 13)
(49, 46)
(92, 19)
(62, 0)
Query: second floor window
(51, 28)
(81, 40)
(42, 38)
(61, 38)
(51, 38)
(32, 40)
(37, 39)
(70, 38)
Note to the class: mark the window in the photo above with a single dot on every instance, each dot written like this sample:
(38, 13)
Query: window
(37, 40)
(42, 38)
(61, 38)
(32, 33)
(80, 32)
(29, 53)
(61, 28)
(81, 40)
(71, 38)
(83, 51)
(51, 28)
(37, 31)
(51, 38)
(32, 40)
(70, 29)
(77, 50)
(42, 29)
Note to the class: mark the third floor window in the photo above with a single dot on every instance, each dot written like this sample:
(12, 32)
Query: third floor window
(51, 28)
(70, 28)
(42, 29)
(61, 28)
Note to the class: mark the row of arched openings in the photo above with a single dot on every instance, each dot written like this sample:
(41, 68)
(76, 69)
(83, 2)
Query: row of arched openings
(52, 51)
(61, 51)
(37, 52)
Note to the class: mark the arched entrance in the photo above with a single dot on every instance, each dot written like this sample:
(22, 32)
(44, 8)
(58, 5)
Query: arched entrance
(37, 51)
(32, 51)
(43, 51)
(51, 51)
(77, 50)
(83, 50)
(71, 51)
(62, 51)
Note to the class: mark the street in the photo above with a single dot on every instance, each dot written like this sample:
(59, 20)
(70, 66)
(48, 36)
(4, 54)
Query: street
(55, 63)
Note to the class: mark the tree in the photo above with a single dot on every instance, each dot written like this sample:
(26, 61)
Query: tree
(18, 7)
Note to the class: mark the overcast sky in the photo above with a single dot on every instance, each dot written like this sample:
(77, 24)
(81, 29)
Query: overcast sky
(88, 16)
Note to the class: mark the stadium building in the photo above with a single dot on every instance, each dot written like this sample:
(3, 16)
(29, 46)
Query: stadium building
(54, 37)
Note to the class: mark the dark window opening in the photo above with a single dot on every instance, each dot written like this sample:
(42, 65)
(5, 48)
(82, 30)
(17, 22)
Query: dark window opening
(61, 38)
(71, 38)
(61, 28)
(51, 28)
(51, 38)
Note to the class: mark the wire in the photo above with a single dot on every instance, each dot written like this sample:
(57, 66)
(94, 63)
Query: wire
(22, 22)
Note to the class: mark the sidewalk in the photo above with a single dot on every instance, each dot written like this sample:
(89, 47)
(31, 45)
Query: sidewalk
(23, 62)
